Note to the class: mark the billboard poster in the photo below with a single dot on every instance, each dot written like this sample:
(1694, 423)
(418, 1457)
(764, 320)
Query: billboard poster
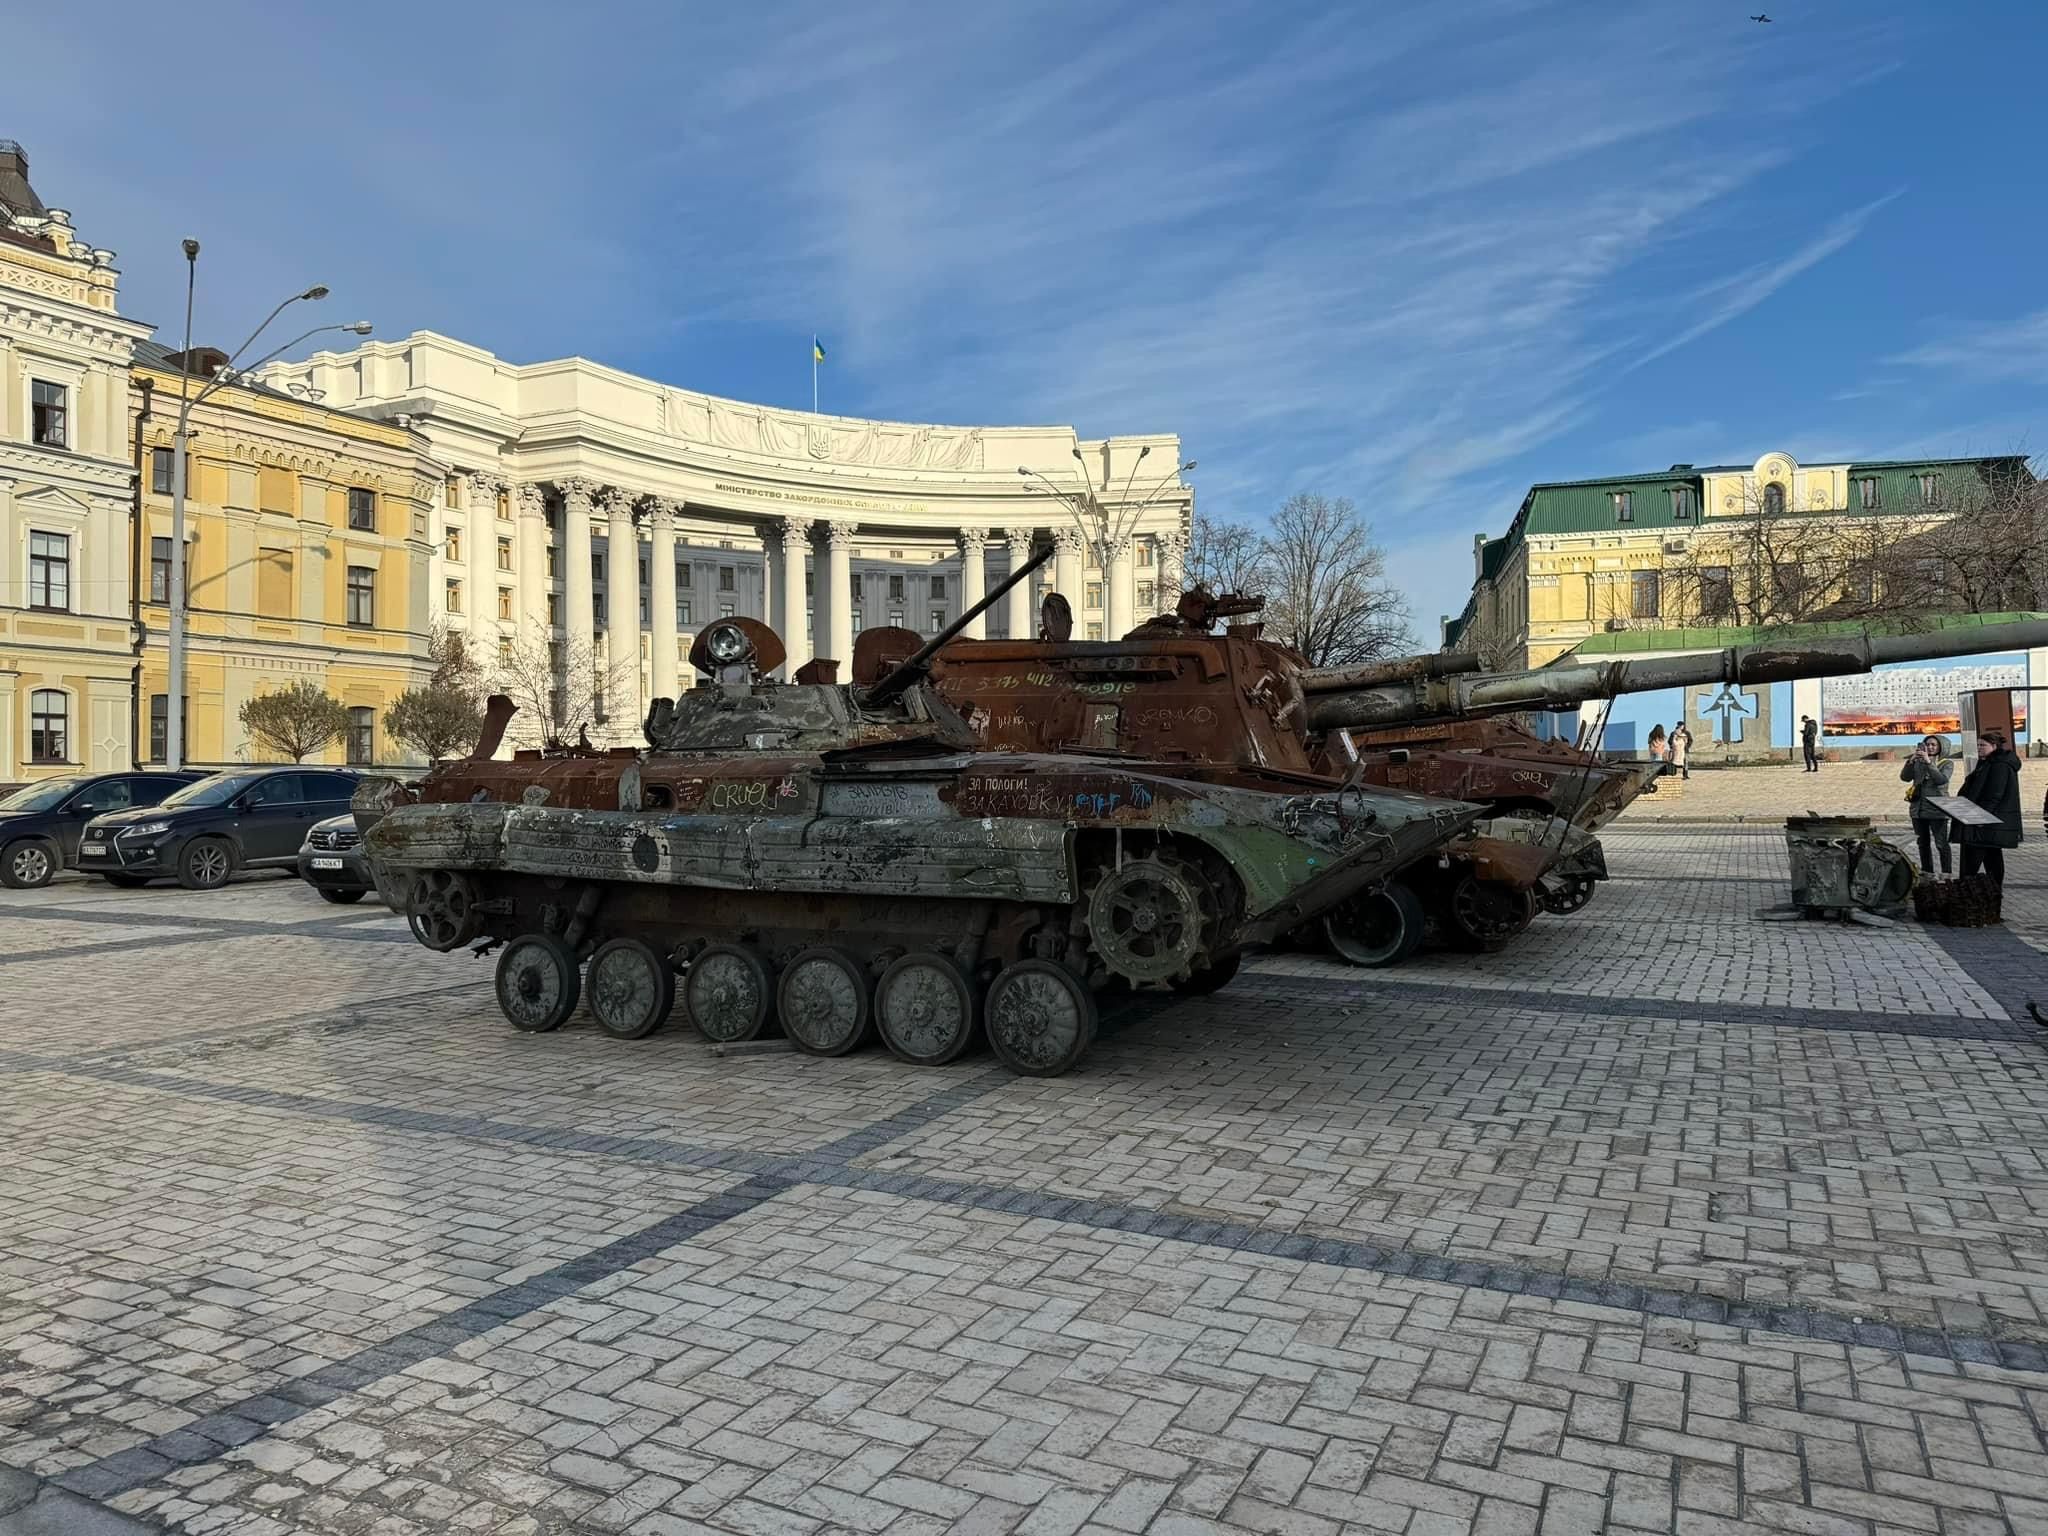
(1918, 698)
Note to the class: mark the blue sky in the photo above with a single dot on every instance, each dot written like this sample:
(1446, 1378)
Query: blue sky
(1420, 255)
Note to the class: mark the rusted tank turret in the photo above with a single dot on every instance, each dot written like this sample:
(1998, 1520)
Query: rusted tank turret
(836, 855)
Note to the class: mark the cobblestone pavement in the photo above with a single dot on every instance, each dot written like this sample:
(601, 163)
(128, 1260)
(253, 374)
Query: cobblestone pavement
(1771, 793)
(1670, 1218)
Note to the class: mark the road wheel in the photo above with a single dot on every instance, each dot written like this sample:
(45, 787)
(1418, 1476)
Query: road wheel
(1485, 915)
(1040, 1018)
(28, 864)
(632, 988)
(728, 994)
(822, 1001)
(1563, 895)
(537, 982)
(339, 898)
(925, 1010)
(126, 882)
(1378, 928)
(1213, 977)
(205, 864)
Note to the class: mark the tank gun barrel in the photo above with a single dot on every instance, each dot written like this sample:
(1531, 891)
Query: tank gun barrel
(908, 670)
(1402, 669)
(1566, 687)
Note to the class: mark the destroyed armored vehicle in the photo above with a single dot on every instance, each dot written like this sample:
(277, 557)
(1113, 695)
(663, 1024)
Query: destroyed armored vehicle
(847, 857)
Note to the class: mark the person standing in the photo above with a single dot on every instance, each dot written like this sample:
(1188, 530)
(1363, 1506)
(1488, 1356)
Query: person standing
(1660, 750)
(1681, 748)
(1993, 785)
(1928, 770)
(1809, 738)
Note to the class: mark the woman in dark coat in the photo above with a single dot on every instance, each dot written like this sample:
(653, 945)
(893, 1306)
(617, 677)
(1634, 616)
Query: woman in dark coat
(1993, 784)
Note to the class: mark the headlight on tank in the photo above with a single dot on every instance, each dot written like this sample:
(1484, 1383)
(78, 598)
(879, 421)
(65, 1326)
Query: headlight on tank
(727, 645)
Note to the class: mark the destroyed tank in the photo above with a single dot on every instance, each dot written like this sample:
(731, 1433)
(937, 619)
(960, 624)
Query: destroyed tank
(841, 857)
(1175, 690)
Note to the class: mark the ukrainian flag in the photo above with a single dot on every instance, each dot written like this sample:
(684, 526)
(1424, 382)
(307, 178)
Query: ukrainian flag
(817, 351)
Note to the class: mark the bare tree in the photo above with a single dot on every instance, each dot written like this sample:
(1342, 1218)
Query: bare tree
(1989, 554)
(1327, 593)
(559, 688)
(447, 712)
(295, 721)
(1226, 557)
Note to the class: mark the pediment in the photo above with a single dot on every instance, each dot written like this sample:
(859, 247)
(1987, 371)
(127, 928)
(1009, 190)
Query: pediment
(51, 501)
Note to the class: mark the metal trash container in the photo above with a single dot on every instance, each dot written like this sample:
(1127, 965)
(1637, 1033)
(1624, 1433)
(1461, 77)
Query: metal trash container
(1839, 864)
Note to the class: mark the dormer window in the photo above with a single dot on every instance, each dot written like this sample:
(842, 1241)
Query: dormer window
(1624, 505)
(1774, 500)
(1681, 504)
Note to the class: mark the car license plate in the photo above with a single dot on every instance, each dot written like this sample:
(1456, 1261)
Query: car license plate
(327, 863)
(93, 850)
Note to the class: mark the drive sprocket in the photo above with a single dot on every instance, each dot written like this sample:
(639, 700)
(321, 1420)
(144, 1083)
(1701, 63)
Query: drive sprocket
(1151, 918)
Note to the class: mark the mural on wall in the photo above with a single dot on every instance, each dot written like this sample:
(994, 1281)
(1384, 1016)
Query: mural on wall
(1729, 706)
(1916, 700)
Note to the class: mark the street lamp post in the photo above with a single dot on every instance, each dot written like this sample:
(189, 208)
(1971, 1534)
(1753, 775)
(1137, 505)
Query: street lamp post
(174, 726)
(1094, 520)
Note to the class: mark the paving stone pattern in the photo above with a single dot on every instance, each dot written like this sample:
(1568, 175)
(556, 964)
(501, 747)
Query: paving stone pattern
(1668, 1219)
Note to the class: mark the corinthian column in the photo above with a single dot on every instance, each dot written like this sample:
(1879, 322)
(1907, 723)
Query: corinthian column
(480, 580)
(1119, 594)
(661, 595)
(579, 627)
(1017, 601)
(974, 577)
(1066, 572)
(839, 584)
(622, 607)
(796, 539)
(532, 547)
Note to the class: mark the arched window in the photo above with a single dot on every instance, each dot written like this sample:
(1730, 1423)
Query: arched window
(1774, 500)
(49, 716)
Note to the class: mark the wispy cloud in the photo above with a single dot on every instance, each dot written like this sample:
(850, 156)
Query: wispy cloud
(2015, 351)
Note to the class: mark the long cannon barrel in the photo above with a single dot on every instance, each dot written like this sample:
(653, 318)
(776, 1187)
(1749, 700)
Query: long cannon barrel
(908, 670)
(1461, 697)
(1403, 669)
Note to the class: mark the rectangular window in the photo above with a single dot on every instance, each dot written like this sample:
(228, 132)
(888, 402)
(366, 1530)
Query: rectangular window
(1144, 556)
(643, 570)
(1624, 505)
(362, 509)
(725, 612)
(1094, 631)
(47, 425)
(362, 596)
(895, 589)
(938, 620)
(857, 593)
(48, 721)
(448, 498)
(597, 607)
(643, 605)
(896, 617)
(160, 471)
(554, 562)
(1930, 490)
(453, 548)
(810, 584)
(1148, 595)
(683, 577)
(596, 566)
(857, 626)
(1859, 582)
(160, 571)
(554, 609)
(504, 649)
(504, 502)
(727, 581)
(1866, 492)
(683, 612)
(504, 602)
(1681, 503)
(362, 736)
(1094, 594)
(1643, 594)
(49, 571)
(1717, 592)
(504, 554)
(938, 587)
(455, 597)
(159, 727)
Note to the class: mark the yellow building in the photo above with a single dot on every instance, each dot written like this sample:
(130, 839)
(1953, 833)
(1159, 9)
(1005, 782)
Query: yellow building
(306, 560)
(1767, 543)
(67, 660)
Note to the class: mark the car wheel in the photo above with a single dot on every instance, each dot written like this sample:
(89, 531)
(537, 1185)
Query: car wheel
(126, 882)
(205, 864)
(339, 898)
(28, 864)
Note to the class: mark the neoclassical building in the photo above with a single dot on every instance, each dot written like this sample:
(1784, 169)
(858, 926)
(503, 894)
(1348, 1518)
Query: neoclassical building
(619, 514)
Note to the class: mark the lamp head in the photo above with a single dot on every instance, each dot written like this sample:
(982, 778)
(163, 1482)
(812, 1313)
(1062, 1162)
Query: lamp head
(1022, 470)
(317, 291)
(358, 327)
(1187, 466)
(1077, 454)
(191, 250)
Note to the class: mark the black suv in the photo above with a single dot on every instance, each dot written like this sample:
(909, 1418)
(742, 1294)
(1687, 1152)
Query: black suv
(39, 825)
(246, 818)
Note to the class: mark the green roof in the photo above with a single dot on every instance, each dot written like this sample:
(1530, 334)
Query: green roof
(1710, 639)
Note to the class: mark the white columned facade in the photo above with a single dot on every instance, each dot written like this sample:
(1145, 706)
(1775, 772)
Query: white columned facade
(773, 611)
(1017, 601)
(661, 595)
(1119, 589)
(579, 623)
(839, 560)
(530, 510)
(974, 577)
(1066, 570)
(479, 569)
(622, 606)
(796, 640)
